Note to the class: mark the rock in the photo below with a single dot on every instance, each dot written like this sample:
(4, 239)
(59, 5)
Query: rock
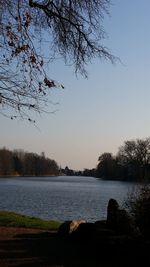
(64, 229)
(101, 224)
(112, 214)
(85, 231)
(119, 220)
(75, 224)
(92, 232)
(69, 227)
(102, 230)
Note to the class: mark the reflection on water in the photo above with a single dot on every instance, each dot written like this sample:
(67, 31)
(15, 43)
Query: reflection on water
(61, 198)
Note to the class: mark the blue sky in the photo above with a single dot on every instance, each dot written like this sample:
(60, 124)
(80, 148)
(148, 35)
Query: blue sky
(97, 114)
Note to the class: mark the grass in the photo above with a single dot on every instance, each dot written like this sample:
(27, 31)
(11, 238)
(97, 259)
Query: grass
(8, 218)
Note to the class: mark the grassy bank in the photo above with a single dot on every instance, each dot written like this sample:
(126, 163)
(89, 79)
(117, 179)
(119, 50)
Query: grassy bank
(17, 220)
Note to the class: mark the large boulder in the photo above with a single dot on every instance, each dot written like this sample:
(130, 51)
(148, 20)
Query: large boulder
(112, 214)
(85, 231)
(69, 227)
(64, 228)
(119, 220)
(75, 224)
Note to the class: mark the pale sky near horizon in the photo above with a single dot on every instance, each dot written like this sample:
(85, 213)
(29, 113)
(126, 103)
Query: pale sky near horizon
(97, 114)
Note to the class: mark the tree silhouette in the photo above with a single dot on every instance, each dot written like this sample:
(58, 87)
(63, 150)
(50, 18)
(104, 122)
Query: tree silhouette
(135, 155)
(19, 162)
(106, 167)
(72, 29)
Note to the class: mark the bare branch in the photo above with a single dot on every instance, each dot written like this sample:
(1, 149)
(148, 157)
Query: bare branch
(74, 31)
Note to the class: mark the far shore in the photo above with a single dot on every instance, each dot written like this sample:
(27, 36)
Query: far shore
(18, 175)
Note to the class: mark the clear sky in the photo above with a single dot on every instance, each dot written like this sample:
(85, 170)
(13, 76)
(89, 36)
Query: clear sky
(97, 114)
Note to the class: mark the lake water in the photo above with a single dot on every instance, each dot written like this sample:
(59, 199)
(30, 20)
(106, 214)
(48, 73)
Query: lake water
(61, 198)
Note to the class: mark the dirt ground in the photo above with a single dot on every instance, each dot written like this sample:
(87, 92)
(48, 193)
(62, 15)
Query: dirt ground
(27, 247)
(32, 247)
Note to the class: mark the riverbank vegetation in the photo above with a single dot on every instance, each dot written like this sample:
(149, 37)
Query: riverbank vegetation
(12, 219)
(138, 206)
(131, 163)
(21, 163)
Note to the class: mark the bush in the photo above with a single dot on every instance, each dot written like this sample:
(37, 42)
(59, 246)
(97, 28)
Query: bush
(138, 204)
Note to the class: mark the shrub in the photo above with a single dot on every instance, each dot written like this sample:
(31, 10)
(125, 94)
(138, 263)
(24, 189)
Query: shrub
(138, 205)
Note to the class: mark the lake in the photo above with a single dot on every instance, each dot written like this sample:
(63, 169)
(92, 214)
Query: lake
(61, 198)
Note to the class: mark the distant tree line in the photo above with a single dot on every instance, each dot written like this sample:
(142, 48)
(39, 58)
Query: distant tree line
(19, 162)
(69, 172)
(132, 162)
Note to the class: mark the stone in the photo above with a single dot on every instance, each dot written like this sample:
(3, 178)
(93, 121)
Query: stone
(85, 231)
(112, 213)
(64, 229)
(119, 220)
(69, 227)
(75, 224)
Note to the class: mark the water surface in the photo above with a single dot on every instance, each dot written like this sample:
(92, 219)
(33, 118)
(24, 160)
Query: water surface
(61, 198)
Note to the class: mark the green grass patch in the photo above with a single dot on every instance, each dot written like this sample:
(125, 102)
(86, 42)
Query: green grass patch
(8, 218)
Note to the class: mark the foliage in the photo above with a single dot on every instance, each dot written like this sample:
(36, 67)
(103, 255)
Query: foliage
(135, 155)
(88, 172)
(135, 151)
(106, 166)
(18, 162)
(6, 162)
(71, 29)
(138, 204)
(132, 162)
(17, 220)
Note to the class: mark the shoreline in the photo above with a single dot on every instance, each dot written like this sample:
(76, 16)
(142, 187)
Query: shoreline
(22, 176)
(36, 245)
(21, 246)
